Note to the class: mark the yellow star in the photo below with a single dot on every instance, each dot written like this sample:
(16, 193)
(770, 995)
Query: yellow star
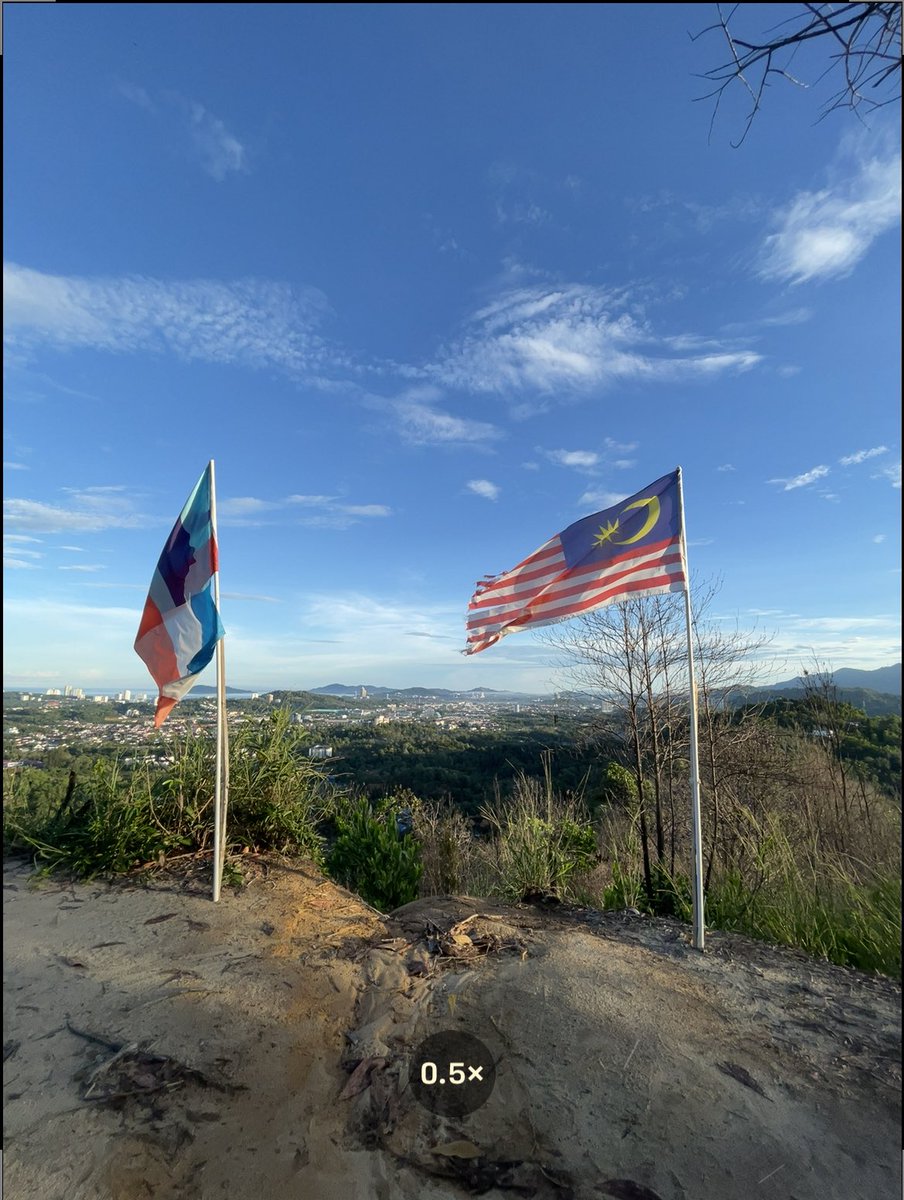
(605, 533)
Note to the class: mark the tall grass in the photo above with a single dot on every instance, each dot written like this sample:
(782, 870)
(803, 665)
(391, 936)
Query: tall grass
(115, 820)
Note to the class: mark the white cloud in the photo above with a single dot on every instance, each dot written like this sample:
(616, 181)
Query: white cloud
(244, 506)
(799, 481)
(219, 150)
(248, 322)
(860, 456)
(250, 596)
(579, 459)
(310, 501)
(726, 467)
(892, 474)
(826, 233)
(600, 500)
(366, 510)
(14, 466)
(80, 567)
(245, 511)
(879, 538)
(18, 564)
(483, 487)
(48, 518)
(137, 95)
(575, 337)
(421, 423)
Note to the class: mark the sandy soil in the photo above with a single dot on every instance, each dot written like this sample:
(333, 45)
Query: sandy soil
(159, 1045)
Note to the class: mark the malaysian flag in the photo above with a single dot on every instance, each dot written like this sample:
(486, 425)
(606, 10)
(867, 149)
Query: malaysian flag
(633, 547)
(180, 626)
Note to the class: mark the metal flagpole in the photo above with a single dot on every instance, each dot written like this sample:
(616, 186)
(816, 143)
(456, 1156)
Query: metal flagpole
(699, 933)
(222, 777)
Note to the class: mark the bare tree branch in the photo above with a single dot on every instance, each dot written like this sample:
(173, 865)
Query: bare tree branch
(865, 44)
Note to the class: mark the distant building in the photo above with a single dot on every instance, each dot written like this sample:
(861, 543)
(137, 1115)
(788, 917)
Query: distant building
(320, 752)
(362, 693)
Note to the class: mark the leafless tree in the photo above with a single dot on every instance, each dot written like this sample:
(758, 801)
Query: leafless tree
(634, 655)
(863, 55)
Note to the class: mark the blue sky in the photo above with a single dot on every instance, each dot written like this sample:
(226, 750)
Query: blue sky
(429, 283)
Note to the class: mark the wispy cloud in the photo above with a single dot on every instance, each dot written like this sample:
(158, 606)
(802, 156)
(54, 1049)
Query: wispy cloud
(217, 150)
(483, 487)
(87, 567)
(826, 233)
(137, 95)
(220, 151)
(245, 506)
(17, 552)
(879, 538)
(575, 337)
(250, 596)
(600, 500)
(38, 517)
(860, 456)
(421, 423)
(14, 466)
(578, 459)
(892, 474)
(248, 322)
(326, 512)
(726, 467)
(804, 480)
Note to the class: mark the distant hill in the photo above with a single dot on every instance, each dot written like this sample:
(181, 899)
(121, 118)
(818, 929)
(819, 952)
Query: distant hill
(874, 704)
(882, 679)
(204, 689)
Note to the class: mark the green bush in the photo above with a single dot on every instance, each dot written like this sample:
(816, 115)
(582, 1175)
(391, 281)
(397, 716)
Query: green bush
(542, 842)
(370, 858)
(113, 820)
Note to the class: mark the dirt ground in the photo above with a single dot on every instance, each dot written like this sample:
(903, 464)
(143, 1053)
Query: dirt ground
(158, 1045)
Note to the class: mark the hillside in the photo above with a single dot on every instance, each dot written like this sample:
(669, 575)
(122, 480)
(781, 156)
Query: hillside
(874, 704)
(882, 679)
(159, 1045)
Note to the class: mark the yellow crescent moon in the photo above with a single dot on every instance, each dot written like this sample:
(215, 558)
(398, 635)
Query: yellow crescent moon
(652, 518)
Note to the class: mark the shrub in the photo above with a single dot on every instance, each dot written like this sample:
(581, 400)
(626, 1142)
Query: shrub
(371, 858)
(542, 842)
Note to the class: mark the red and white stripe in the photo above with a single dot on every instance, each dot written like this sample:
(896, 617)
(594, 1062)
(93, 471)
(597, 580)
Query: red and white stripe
(542, 590)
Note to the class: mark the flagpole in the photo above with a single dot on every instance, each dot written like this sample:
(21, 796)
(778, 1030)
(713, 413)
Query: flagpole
(699, 931)
(221, 793)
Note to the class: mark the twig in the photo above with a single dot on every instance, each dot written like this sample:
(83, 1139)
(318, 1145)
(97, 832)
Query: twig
(93, 1037)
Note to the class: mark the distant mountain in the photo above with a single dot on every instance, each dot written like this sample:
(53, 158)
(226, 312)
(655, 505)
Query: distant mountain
(882, 679)
(204, 689)
(874, 704)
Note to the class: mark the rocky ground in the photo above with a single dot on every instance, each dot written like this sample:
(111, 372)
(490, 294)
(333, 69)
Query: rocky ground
(159, 1045)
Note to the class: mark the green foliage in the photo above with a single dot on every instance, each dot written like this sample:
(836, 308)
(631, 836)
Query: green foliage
(277, 796)
(852, 924)
(542, 842)
(115, 819)
(107, 826)
(369, 857)
(619, 785)
(871, 745)
(464, 764)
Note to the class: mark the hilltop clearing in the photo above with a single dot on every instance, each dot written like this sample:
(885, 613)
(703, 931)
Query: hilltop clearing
(159, 1045)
